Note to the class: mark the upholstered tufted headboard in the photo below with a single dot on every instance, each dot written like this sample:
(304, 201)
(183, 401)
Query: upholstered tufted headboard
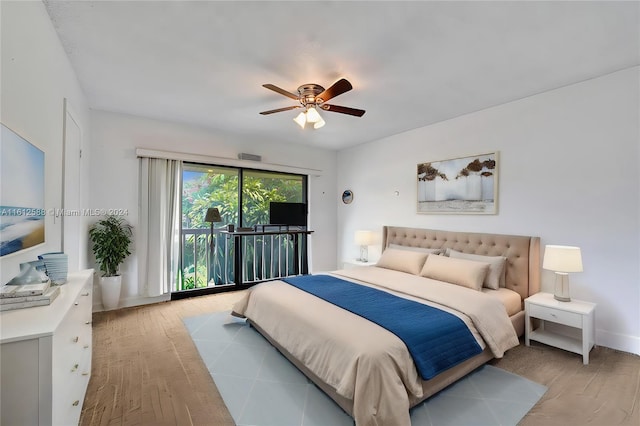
(522, 253)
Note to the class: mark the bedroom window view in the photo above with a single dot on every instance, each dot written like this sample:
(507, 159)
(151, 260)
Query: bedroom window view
(242, 198)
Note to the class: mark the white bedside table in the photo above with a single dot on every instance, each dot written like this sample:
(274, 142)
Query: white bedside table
(350, 264)
(577, 314)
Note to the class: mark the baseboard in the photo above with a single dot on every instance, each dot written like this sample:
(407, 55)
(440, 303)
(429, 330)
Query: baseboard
(621, 342)
(134, 301)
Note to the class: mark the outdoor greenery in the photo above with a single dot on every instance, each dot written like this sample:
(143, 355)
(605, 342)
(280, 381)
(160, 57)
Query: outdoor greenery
(111, 238)
(218, 187)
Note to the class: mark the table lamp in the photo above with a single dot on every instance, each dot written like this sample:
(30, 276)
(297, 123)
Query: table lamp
(562, 260)
(212, 216)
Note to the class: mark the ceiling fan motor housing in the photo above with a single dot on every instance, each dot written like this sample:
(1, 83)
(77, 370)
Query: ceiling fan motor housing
(308, 93)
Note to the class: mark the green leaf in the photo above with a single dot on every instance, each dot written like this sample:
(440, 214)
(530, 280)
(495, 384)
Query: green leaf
(111, 238)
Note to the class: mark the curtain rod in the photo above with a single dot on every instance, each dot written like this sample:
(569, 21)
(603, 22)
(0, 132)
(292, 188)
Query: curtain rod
(224, 161)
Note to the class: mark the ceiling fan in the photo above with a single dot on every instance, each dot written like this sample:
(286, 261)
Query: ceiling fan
(313, 96)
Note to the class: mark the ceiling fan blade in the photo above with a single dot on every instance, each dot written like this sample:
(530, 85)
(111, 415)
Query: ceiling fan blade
(338, 88)
(271, 111)
(281, 91)
(343, 110)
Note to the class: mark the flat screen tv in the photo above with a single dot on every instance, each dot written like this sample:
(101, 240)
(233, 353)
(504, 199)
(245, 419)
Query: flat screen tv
(287, 214)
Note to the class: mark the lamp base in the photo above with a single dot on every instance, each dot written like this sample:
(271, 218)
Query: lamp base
(364, 254)
(562, 299)
(562, 287)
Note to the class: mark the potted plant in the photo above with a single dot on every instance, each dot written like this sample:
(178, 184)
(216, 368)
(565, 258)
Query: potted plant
(111, 238)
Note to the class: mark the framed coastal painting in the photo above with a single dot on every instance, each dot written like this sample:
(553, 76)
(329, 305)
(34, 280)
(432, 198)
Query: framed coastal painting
(21, 194)
(466, 185)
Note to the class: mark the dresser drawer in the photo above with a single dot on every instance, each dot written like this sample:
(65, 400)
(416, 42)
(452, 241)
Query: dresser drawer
(555, 315)
(72, 339)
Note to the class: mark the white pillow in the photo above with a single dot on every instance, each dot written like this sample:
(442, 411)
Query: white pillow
(496, 276)
(466, 273)
(402, 260)
(420, 249)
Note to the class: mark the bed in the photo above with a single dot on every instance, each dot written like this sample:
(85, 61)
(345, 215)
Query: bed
(368, 370)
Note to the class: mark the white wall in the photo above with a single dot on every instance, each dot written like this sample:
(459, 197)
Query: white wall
(114, 175)
(568, 173)
(36, 77)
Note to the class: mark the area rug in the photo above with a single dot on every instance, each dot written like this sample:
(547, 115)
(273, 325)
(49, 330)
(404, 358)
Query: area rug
(262, 388)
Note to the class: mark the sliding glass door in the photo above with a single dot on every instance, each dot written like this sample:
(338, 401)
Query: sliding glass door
(242, 196)
(204, 187)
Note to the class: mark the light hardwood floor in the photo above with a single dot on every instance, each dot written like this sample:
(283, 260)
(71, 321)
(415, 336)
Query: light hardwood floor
(147, 371)
(605, 392)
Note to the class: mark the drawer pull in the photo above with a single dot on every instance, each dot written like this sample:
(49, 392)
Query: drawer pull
(76, 402)
(86, 346)
(75, 367)
(75, 339)
(87, 322)
(85, 294)
(85, 374)
(76, 303)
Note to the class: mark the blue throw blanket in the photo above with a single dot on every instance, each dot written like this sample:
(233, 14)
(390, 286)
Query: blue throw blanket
(437, 340)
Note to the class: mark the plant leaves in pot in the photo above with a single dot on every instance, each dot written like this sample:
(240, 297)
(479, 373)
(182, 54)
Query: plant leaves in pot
(111, 238)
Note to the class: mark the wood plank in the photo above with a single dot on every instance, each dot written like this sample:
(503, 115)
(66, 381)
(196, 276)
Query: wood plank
(603, 392)
(146, 369)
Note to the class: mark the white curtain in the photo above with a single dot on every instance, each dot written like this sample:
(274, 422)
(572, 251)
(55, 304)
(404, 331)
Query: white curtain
(159, 226)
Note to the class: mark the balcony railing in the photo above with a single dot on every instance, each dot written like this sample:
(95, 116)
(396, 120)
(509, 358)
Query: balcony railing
(241, 258)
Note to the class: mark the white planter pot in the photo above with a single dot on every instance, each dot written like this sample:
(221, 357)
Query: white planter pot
(110, 288)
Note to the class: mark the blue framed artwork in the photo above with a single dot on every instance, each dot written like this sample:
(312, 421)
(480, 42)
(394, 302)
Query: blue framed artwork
(21, 193)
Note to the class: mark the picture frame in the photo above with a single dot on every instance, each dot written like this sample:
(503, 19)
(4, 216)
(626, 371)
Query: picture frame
(463, 185)
(22, 193)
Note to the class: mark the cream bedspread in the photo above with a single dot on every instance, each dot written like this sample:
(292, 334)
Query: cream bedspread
(359, 359)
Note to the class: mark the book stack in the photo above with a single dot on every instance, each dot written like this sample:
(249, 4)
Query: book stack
(27, 295)
(56, 265)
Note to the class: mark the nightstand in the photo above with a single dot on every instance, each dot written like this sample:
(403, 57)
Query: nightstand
(577, 314)
(350, 264)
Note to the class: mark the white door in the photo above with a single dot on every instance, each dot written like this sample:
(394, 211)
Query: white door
(72, 219)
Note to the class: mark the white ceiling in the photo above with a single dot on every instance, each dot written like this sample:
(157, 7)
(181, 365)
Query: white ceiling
(411, 63)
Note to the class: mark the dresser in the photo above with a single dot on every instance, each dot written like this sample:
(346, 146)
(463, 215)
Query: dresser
(45, 357)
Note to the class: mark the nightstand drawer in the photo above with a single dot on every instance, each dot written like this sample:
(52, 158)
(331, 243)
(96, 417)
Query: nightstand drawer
(555, 315)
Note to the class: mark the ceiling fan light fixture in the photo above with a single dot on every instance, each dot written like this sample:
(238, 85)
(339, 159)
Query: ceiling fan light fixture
(311, 97)
(301, 119)
(312, 115)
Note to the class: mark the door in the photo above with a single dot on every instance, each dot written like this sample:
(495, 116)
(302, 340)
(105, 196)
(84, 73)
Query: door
(71, 185)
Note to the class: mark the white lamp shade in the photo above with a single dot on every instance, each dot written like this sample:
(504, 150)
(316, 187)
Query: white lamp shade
(319, 123)
(364, 238)
(313, 116)
(301, 119)
(562, 259)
